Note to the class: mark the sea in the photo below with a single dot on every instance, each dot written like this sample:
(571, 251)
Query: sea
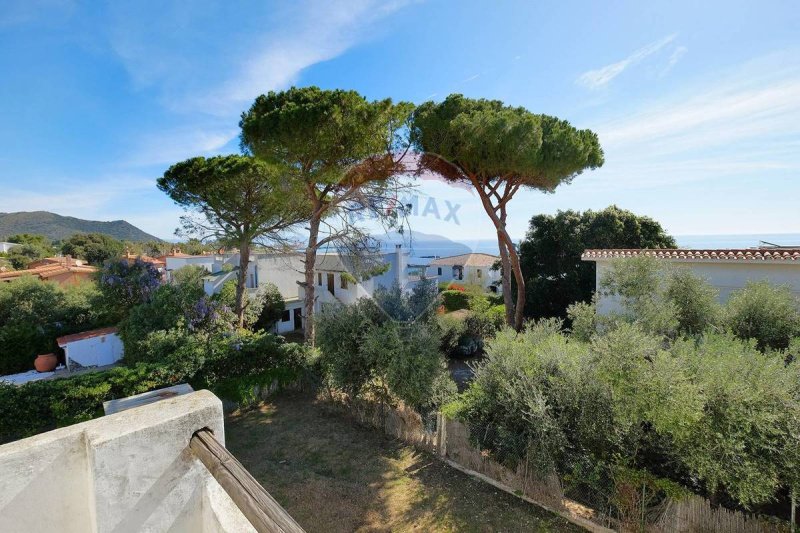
(424, 248)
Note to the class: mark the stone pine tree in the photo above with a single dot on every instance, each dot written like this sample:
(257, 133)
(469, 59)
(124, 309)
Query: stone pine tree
(342, 151)
(499, 150)
(239, 199)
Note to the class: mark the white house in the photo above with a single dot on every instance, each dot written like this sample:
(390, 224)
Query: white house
(467, 268)
(7, 246)
(344, 279)
(97, 347)
(727, 270)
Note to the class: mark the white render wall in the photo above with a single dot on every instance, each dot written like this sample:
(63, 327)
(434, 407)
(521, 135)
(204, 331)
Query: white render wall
(95, 351)
(126, 472)
(487, 275)
(725, 276)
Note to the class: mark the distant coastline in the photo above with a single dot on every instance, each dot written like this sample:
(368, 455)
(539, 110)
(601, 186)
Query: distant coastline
(426, 247)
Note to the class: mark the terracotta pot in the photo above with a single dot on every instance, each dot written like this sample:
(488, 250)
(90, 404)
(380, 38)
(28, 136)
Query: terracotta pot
(45, 362)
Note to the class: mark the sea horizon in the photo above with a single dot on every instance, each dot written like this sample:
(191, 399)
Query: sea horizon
(427, 248)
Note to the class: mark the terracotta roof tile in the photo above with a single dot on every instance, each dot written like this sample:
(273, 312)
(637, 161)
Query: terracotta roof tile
(478, 260)
(66, 339)
(730, 254)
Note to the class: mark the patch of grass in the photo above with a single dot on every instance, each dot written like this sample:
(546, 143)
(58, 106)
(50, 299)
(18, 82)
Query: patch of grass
(333, 475)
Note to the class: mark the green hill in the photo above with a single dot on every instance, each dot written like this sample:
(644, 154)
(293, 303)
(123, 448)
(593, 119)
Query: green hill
(58, 227)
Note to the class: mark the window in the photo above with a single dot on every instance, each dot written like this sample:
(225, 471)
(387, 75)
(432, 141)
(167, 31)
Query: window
(479, 273)
(343, 281)
(286, 317)
(252, 282)
(439, 271)
(319, 279)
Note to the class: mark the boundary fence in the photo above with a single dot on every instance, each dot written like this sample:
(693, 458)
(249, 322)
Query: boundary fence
(450, 440)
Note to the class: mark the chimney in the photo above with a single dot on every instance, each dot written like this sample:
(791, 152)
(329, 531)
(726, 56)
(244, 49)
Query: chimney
(400, 264)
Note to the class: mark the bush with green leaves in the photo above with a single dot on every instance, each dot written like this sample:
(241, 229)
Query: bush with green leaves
(231, 366)
(125, 284)
(712, 413)
(666, 300)
(764, 312)
(95, 248)
(384, 348)
(33, 313)
(455, 300)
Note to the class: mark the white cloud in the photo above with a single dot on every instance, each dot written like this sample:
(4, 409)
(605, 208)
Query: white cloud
(677, 55)
(205, 91)
(236, 68)
(177, 144)
(73, 197)
(744, 123)
(600, 77)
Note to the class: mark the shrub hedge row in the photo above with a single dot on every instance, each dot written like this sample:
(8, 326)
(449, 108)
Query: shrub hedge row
(41, 406)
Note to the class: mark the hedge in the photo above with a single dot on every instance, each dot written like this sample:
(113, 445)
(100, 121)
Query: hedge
(454, 300)
(41, 406)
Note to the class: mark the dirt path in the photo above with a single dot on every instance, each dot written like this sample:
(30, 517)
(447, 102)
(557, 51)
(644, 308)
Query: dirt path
(333, 475)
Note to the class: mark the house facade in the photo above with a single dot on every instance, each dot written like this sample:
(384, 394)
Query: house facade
(726, 270)
(475, 269)
(345, 279)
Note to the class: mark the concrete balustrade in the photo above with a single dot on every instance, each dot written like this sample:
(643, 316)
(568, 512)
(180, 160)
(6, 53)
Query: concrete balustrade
(130, 471)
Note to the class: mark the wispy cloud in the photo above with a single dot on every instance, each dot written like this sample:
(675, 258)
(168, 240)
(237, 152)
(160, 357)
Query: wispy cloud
(203, 92)
(594, 79)
(744, 122)
(677, 55)
(233, 71)
(179, 143)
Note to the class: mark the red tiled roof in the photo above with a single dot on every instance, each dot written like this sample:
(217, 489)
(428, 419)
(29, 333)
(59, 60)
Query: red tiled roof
(478, 260)
(146, 258)
(730, 254)
(47, 271)
(66, 339)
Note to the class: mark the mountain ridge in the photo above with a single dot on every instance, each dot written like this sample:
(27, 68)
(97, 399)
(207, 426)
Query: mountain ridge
(58, 227)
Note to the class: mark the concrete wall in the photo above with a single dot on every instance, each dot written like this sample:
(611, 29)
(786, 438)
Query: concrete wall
(95, 351)
(726, 277)
(126, 472)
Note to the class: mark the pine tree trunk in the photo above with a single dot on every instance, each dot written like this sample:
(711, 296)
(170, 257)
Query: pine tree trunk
(241, 280)
(310, 263)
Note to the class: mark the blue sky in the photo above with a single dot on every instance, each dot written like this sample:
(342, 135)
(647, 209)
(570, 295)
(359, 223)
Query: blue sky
(697, 104)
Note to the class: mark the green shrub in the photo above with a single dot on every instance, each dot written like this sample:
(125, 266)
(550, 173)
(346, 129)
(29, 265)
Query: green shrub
(33, 313)
(764, 312)
(384, 348)
(712, 413)
(455, 300)
(228, 368)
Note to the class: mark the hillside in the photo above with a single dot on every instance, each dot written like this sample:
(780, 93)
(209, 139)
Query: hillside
(58, 227)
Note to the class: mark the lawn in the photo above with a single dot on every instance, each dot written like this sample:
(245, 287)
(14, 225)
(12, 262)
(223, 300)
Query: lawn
(334, 475)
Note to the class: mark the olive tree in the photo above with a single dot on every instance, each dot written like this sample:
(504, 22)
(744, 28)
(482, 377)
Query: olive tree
(239, 199)
(498, 150)
(341, 150)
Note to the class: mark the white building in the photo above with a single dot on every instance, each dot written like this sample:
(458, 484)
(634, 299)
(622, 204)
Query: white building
(98, 347)
(474, 269)
(345, 279)
(7, 246)
(727, 270)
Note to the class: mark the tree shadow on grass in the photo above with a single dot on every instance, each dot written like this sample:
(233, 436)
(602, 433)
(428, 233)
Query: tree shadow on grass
(333, 475)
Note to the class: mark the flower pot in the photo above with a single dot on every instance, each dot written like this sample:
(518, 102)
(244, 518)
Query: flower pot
(45, 362)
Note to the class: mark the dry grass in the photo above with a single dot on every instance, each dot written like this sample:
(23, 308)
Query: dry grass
(333, 475)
